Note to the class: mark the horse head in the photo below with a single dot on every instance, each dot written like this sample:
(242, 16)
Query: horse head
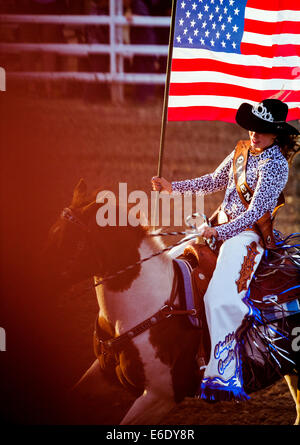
(78, 248)
(68, 255)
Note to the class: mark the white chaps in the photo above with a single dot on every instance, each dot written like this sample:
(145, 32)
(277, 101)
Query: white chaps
(225, 309)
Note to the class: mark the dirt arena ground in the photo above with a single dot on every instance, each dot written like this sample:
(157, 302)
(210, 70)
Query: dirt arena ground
(47, 145)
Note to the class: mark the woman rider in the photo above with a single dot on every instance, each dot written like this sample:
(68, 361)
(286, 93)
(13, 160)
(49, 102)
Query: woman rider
(272, 142)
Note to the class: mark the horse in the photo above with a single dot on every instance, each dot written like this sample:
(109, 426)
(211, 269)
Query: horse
(143, 333)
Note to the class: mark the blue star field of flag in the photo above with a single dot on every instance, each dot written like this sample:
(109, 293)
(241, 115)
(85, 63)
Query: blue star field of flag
(215, 25)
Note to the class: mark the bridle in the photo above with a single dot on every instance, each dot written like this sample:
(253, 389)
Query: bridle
(70, 216)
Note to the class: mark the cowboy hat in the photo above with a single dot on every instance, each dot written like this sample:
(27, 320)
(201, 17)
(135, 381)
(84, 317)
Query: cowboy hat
(268, 116)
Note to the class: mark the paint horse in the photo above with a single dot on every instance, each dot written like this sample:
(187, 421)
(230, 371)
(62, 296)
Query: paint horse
(143, 330)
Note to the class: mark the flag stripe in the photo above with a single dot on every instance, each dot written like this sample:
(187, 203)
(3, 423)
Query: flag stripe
(271, 4)
(272, 27)
(212, 76)
(211, 113)
(275, 39)
(273, 51)
(216, 101)
(221, 89)
(241, 59)
(201, 113)
(272, 16)
(260, 72)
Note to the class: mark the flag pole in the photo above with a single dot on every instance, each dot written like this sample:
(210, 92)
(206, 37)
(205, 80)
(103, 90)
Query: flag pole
(166, 93)
(165, 103)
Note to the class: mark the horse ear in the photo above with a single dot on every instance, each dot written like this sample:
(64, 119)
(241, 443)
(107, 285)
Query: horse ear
(79, 192)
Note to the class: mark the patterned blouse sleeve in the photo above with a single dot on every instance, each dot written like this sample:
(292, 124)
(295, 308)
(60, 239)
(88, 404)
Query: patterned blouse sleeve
(209, 183)
(272, 178)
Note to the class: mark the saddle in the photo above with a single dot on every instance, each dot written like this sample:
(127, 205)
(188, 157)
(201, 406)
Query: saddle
(273, 291)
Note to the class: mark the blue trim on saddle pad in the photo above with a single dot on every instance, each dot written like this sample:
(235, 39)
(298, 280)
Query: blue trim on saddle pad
(281, 311)
(186, 271)
(275, 311)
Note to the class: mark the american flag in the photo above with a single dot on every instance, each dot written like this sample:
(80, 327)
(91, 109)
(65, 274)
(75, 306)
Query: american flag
(227, 52)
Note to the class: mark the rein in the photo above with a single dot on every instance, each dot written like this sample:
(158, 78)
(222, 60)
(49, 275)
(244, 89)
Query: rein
(68, 215)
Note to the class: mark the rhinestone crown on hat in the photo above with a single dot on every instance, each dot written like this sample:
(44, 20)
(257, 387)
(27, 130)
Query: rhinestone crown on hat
(261, 111)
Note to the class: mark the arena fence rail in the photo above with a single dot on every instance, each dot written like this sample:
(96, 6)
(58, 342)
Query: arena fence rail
(117, 49)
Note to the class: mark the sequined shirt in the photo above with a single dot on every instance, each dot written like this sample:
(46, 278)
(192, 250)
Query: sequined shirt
(266, 174)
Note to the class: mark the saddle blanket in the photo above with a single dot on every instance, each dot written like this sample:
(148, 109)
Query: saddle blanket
(188, 296)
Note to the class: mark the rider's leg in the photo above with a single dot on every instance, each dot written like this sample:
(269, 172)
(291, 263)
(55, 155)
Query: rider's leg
(225, 310)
